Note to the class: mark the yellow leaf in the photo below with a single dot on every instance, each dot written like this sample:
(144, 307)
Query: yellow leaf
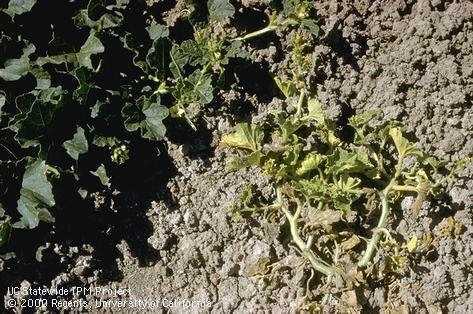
(412, 244)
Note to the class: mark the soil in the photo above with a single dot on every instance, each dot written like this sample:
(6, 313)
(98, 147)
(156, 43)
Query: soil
(413, 60)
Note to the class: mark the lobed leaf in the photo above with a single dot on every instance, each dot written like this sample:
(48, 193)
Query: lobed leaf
(220, 9)
(91, 47)
(403, 146)
(349, 161)
(148, 115)
(157, 31)
(37, 111)
(77, 145)
(248, 136)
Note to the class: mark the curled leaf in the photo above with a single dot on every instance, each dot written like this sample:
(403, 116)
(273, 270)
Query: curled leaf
(403, 146)
(247, 136)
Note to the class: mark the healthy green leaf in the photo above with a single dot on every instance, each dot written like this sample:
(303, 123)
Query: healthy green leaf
(101, 173)
(108, 20)
(2, 103)
(157, 31)
(84, 78)
(14, 69)
(36, 196)
(147, 115)
(220, 9)
(353, 161)
(91, 47)
(158, 58)
(202, 89)
(18, 7)
(288, 88)
(36, 114)
(234, 50)
(5, 230)
(77, 145)
(310, 26)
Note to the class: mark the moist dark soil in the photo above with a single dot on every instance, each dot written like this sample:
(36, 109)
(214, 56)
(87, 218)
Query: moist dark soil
(176, 237)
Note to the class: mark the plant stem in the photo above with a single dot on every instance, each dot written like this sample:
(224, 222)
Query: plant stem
(385, 210)
(267, 29)
(299, 103)
(405, 188)
(371, 247)
(316, 262)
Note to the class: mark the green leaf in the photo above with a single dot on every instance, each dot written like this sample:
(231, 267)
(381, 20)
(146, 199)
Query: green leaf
(315, 111)
(157, 31)
(220, 9)
(101, 173)
(102, 141)
(14, 69)
(354, 161)
(310, 162)
(96, 109)
(107, 20)
(147, 115)
(5, 230)
(84, 78)
(158, 58)
(288, 124)
(348, 184)
(315, 188)
(17, 7)
(288, 88)
(310, 26)
(82, 193)
(246, 135)
(361, 120)
(36, 196)
(91, 47)
(188, 52)
(77, 145)
(43, 79)
(234, 50)
(2, 103)
(202, 89)
(37, 111)
(136, 47)
(239, 162)
(403, 146)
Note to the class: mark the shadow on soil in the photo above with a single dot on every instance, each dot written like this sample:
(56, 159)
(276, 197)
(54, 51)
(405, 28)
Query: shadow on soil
(92, 228)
